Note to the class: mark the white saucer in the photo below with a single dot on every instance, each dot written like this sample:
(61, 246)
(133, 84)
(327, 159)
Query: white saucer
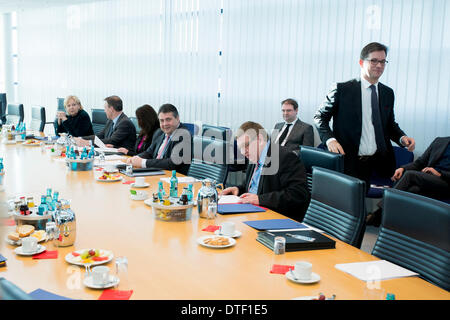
(139, 197)
(145, 185)
(20, 252)
(314, 278)
(237, 234)
(89, 282)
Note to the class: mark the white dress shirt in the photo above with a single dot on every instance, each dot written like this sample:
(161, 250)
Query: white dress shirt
(367, 144)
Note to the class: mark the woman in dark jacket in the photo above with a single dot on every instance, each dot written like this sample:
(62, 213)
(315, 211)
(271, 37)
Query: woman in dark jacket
(148, 122)
(76, 122)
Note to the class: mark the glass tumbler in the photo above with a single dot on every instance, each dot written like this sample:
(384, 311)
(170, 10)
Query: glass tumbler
(122, 273)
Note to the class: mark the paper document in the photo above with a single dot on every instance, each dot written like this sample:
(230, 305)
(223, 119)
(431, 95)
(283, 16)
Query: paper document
(181, 180)
(99, 143)
(229, 198)
(97, 163)
(375, 270)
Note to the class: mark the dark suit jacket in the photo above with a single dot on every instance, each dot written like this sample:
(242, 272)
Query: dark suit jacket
(343, 104)
(172, 155)
(286, 191)
(301, 134)
(123, 135)
(77, 126)
(431, 156)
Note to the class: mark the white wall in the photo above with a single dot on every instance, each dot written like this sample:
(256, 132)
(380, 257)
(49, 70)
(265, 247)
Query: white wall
(151, 52)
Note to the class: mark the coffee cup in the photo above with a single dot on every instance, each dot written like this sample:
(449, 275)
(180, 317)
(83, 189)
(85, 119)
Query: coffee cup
(18, 137)
(228, 229)
(139, 181)
(100, 275)
(29, 244)
(303, 270)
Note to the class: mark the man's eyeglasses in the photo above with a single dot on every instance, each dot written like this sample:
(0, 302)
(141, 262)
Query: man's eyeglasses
(374, 62)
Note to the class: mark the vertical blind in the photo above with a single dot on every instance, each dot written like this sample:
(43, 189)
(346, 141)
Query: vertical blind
(223, 62)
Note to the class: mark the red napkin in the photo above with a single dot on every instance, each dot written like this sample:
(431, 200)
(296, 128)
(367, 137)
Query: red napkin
(112, 294)
(8, 222)
(280, 269)
(46, 255)
(99, 169)
(128, 182)
(211, 228)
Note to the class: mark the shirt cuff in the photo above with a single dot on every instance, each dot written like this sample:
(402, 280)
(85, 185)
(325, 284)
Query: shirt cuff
(330, 140)
(401, 141)
(143, 163)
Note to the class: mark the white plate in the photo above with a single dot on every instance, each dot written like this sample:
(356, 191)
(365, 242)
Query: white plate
(101, 180)
(89, 282)
(145, 185)
(20, 252)
(111, 171)
(314, 278)
(237, 233)
(201, 239)
(139, 197)
(77, 260)
(32, 145)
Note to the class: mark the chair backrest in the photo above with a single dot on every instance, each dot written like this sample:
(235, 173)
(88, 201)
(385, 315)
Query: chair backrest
(215, 132)
(208, 159)
(337, 205)
(9, 291)
(136, 125)
(311, 156)
(98, 120)
(37, 119)
(414, 234)
(192, 127)
(15, 113)
(60, 104)
(3, 107)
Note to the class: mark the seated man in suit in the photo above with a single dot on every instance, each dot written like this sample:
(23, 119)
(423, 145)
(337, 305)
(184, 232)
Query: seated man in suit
(428, 175)
(171, 146)
(119, 131)
(293, 132)
(275, 177)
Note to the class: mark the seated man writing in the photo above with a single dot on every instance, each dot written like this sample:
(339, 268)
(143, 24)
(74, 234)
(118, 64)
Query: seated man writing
(275, 177)
(171, 146)
(119, 131)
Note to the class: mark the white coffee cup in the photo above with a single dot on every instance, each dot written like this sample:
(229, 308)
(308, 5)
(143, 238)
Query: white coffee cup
(228, 229)
(29, 244)
(18, 137)
(139, 181)
(303, 270)
(100, 275)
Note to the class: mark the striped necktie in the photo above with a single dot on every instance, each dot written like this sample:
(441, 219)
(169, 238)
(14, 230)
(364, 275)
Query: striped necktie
(163, 146)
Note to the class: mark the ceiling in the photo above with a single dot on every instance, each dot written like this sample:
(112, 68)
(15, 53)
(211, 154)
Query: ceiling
(21, 5)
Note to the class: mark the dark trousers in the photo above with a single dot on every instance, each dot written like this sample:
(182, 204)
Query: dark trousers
(425, 184)
(363, 167)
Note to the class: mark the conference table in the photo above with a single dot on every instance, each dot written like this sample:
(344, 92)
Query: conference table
(164, 259)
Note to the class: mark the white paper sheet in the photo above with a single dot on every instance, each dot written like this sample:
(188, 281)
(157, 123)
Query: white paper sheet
(229, 198)
(375, 270)
(99, 143)
(180, 179)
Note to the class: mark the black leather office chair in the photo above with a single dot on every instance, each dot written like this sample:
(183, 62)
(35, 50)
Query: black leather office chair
(136, 125)
(9, 291)
(37, 119)
(3, 108)
(192, 127)
(337, 205)
(98, 120)
(318, 157)
(208, 160)
(216, 132)
(14, 114)
(414, 234)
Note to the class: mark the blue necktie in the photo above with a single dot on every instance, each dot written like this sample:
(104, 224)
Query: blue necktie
(376, 120)
(253, 186)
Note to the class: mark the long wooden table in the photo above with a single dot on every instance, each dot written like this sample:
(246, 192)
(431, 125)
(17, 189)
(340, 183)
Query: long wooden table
(164, 259)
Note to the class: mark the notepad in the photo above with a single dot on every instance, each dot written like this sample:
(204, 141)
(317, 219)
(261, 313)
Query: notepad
(234, 208)
(375, 270)
(275, 224)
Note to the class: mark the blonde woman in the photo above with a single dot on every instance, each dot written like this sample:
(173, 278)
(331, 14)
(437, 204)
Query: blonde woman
(75, 121)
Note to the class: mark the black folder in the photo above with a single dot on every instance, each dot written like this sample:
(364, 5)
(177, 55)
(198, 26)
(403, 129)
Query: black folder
(293, 244)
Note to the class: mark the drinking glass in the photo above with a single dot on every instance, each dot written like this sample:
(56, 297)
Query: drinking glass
(52, 235)
(122, 273)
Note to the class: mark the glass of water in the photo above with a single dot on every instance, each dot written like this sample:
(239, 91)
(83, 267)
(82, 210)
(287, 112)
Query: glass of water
(52, 235)
(122, 273)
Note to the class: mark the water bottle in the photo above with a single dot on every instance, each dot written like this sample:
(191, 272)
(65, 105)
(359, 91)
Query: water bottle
(190, 193)
(55, 199)
(174, 185)
(49, 199)
(161, 192)
(24, 131)
(43, 208)
(1, 165)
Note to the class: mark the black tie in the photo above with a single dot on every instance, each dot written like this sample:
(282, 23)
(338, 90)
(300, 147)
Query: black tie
(284, 134)
(376, 120)
(110, 131)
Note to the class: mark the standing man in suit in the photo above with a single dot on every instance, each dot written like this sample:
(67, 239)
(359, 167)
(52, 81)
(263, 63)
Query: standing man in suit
(363, 119)
(293, 132)
(429, 175)
(171, 146)
(275, 177)
(119, 131)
